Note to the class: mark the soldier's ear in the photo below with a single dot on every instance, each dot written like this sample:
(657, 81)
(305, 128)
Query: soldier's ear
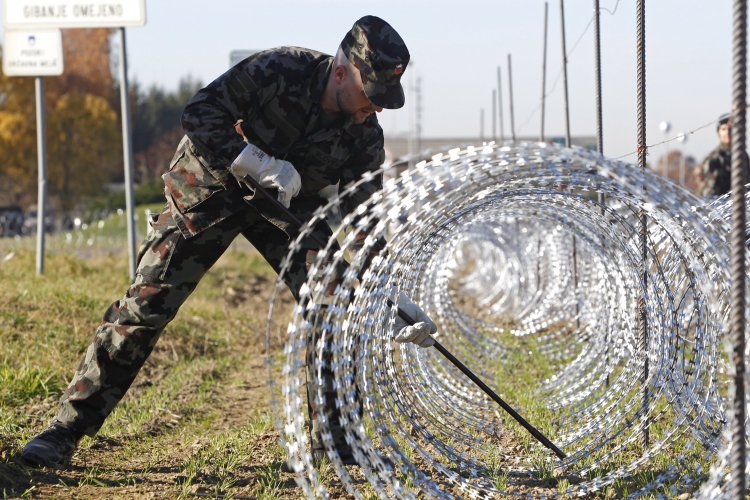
(340, 74)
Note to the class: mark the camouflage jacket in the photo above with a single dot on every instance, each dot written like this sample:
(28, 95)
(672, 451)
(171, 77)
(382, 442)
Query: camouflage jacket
(717, 172)
(272, 100)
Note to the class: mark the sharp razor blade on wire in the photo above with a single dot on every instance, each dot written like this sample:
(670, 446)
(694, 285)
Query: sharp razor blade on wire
(481, 238)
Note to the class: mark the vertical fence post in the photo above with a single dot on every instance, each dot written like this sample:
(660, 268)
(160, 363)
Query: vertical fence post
(500, 103)
(737, 461)
(481, 125)
(567, 144)
(544, 71)
(565, 74)
(510, 96)
(599, 124)
(642, 317)
(494, 115)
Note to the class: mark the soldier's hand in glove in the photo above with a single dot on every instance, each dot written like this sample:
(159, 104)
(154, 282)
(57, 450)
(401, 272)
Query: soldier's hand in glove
(420, 332)
(268, 171)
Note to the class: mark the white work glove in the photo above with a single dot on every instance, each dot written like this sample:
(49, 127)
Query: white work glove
(268, 171)
(419, 332)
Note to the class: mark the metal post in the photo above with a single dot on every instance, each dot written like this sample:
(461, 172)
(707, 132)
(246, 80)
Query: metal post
(127, 153)
(565, 74)
(681, 138)
(544, 70)
(419, 115)
(411, 135)
(41, 153)
(599, 125)
(510, 96)
(500, 103)
(737, 460)
(642, 318)
(598, 60)
(481, 125)
(494, 115)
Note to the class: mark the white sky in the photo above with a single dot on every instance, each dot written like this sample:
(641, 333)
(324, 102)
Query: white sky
(456, 47)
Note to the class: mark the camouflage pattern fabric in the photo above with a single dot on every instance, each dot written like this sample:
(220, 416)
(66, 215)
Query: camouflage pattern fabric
(272, 99)
(169, 269)
(318, 367)
(381, 56)
(717, 172)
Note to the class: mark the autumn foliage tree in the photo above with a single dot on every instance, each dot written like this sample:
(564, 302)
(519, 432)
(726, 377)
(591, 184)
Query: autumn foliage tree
(83, 143)
(17, 140)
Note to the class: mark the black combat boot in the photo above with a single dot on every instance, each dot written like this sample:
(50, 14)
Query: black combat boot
(345, 455)
(52, 447)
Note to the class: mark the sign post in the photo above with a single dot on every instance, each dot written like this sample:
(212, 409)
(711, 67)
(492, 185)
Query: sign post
(239, 55)
(36, 53)
(25, 14)
(127, 154)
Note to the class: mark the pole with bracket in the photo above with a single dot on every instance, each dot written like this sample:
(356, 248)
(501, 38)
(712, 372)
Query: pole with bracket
(41, 151)
(127, 155)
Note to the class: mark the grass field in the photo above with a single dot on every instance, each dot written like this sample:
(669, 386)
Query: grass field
(197, 418)
(197, 421)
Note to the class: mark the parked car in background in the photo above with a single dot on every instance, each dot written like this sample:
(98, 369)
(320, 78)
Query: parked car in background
(30, 221)
(11, 221)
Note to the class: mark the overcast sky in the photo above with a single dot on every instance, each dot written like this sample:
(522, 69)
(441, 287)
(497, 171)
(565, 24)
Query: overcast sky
(456, 47)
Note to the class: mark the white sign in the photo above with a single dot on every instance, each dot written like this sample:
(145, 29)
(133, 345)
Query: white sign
(33, 53)
(239, 55)
(73, 14)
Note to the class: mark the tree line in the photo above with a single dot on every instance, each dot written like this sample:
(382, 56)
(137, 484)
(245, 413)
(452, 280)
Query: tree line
(84, 132)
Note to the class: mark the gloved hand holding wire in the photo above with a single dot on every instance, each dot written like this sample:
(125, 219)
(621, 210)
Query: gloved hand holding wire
(268, 171)
(420, 332)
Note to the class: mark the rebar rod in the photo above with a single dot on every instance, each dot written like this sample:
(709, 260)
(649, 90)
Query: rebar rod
(494, 114)
(598, 63)
(565, 74)
(738, 459)
(500, 102)
(510, 97)
(599, 124)
(544, 71)
(642, 313)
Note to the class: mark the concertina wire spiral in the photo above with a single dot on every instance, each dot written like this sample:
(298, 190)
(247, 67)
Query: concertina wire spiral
(481, 237)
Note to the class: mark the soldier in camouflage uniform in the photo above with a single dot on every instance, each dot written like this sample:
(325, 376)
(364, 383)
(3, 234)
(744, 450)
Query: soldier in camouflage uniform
(297, 121)
(715, 174)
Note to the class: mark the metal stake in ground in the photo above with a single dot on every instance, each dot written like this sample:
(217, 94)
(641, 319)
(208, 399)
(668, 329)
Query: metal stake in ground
(737, 459)
(642, 315)
(505, 406)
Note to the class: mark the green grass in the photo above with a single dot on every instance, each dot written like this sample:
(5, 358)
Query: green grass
(173, 433)
(23, 383)
(209, 355)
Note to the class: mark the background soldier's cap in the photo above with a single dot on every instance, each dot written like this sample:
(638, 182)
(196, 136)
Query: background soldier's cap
(380, 54)
(722, 120)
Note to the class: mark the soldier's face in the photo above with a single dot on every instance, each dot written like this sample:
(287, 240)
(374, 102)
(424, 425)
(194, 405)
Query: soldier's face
(725, 133)
(351, 98)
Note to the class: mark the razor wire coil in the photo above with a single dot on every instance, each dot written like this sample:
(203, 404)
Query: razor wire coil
(480, 238)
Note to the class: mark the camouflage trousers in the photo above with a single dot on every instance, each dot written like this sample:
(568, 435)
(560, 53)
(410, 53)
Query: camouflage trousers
(321, 391)
(169, 269)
